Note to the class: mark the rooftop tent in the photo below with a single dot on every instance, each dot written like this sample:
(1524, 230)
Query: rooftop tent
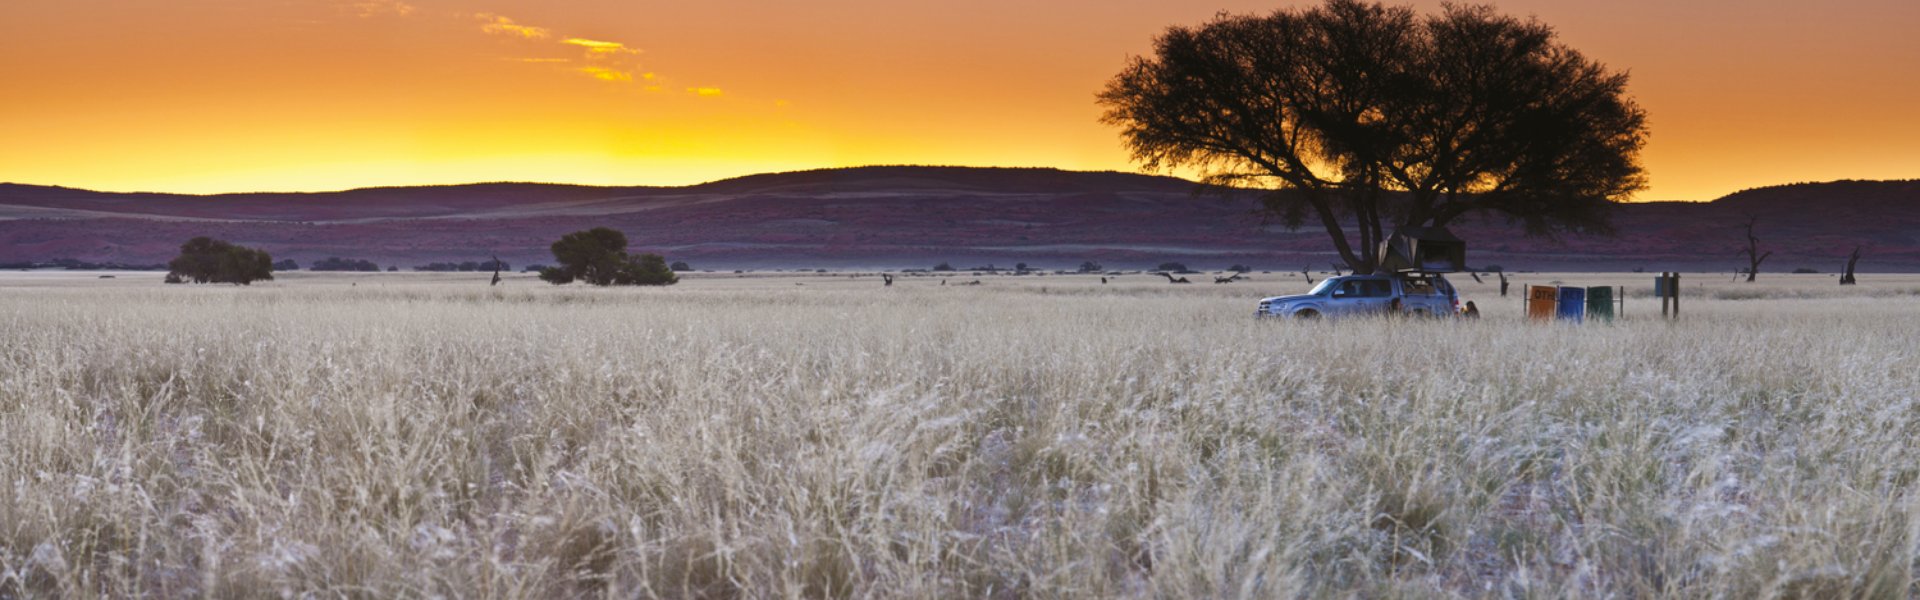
(1423, 250)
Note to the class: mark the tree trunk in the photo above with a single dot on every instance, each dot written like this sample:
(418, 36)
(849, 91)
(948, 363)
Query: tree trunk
(1754, 257)
(1854, 259)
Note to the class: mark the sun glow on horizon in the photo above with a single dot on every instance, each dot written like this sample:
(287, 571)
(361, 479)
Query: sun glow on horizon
(312, 95)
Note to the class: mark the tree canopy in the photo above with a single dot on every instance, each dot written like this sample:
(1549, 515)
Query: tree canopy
(207, 260)
(598, 256)
(1363, 116)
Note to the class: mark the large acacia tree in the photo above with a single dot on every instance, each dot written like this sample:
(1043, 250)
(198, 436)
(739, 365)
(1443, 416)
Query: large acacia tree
(599, 256)
(1366, 118)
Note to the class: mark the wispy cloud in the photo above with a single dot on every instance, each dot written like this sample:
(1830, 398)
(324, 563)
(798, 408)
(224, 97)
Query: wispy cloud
(605, 74)
(378, 8)
(599, 47)
(498, 25)
(604, 60)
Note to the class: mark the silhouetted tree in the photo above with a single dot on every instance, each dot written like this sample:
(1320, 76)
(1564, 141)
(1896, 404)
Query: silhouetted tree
(286, 265)
(1754, 257)
(1846, 278)
(1172, 266)
(598, 256)
(681, 265)
(335, 263)
(1090, 267)
(1364, 117)
(207, 260)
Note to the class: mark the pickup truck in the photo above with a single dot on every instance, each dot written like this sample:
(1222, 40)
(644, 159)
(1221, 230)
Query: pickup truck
(1357, 295)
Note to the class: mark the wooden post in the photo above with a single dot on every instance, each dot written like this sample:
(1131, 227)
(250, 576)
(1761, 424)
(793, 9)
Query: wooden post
(1676, 294)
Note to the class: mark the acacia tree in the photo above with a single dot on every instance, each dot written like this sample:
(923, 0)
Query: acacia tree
(1364, 117)
(207, 260)
(598, 256)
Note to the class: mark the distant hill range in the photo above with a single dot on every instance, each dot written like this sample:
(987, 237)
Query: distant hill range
(916, 217)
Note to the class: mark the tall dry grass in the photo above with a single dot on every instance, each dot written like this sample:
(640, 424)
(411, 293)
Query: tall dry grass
(1045, 437)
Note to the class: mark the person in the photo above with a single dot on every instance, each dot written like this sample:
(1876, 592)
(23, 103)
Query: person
(1395, 308)
(1471, 311)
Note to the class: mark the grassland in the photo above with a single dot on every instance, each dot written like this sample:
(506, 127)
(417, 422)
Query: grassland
(408, 436)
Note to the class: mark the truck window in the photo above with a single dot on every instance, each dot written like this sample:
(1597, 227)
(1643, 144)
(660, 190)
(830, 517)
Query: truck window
(1379, 288)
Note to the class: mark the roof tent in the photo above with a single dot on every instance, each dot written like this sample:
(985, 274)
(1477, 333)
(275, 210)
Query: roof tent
(1423, 250)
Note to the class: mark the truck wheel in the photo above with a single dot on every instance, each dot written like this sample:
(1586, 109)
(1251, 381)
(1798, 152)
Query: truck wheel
(1307, 315)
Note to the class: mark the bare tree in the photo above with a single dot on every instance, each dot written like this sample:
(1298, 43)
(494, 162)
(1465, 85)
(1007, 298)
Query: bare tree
(1170, 279)
(1754, 257)
(887, 278)
(1846, 278)
(496, 271)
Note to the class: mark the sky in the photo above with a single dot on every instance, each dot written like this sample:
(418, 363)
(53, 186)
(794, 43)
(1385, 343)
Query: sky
(207, 96)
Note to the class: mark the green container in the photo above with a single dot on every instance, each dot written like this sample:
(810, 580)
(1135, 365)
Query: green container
(1600, 303)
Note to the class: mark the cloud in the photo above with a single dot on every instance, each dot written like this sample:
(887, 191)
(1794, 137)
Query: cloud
(498, 25)
(605, 74)
(376, 8)
(704, 91)
(599, 47)
(543, 60)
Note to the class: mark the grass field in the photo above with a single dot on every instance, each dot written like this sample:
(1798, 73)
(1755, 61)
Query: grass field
(401, 435)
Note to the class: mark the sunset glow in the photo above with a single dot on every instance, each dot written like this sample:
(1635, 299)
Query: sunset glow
(235, 95)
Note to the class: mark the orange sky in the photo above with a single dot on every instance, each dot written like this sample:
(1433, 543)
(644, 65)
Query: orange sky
(246, 95)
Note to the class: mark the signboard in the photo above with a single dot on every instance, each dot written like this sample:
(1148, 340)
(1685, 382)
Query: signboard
(1660, 287)
(1540, 302)
(1600, 303)
(1573, 304)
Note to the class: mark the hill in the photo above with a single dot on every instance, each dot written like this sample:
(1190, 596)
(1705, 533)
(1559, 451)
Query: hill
(903, 217)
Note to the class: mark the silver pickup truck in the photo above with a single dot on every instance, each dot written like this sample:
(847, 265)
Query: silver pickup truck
(1355, 295)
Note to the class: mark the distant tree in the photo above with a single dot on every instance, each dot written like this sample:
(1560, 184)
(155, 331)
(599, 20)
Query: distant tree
(1090, 267)
(335, 263)
(1754, 257)
(1020, 267)
(207, 260)
(1172, 266)
(1846, 277)
(1805, 271)
(943, 267)
(393, 268)
(598, 256)
(681, 266)
(1365, 118)
(286, 265)
(1239, 268)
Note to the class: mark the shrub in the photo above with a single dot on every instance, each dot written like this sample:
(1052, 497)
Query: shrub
(207, 260)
